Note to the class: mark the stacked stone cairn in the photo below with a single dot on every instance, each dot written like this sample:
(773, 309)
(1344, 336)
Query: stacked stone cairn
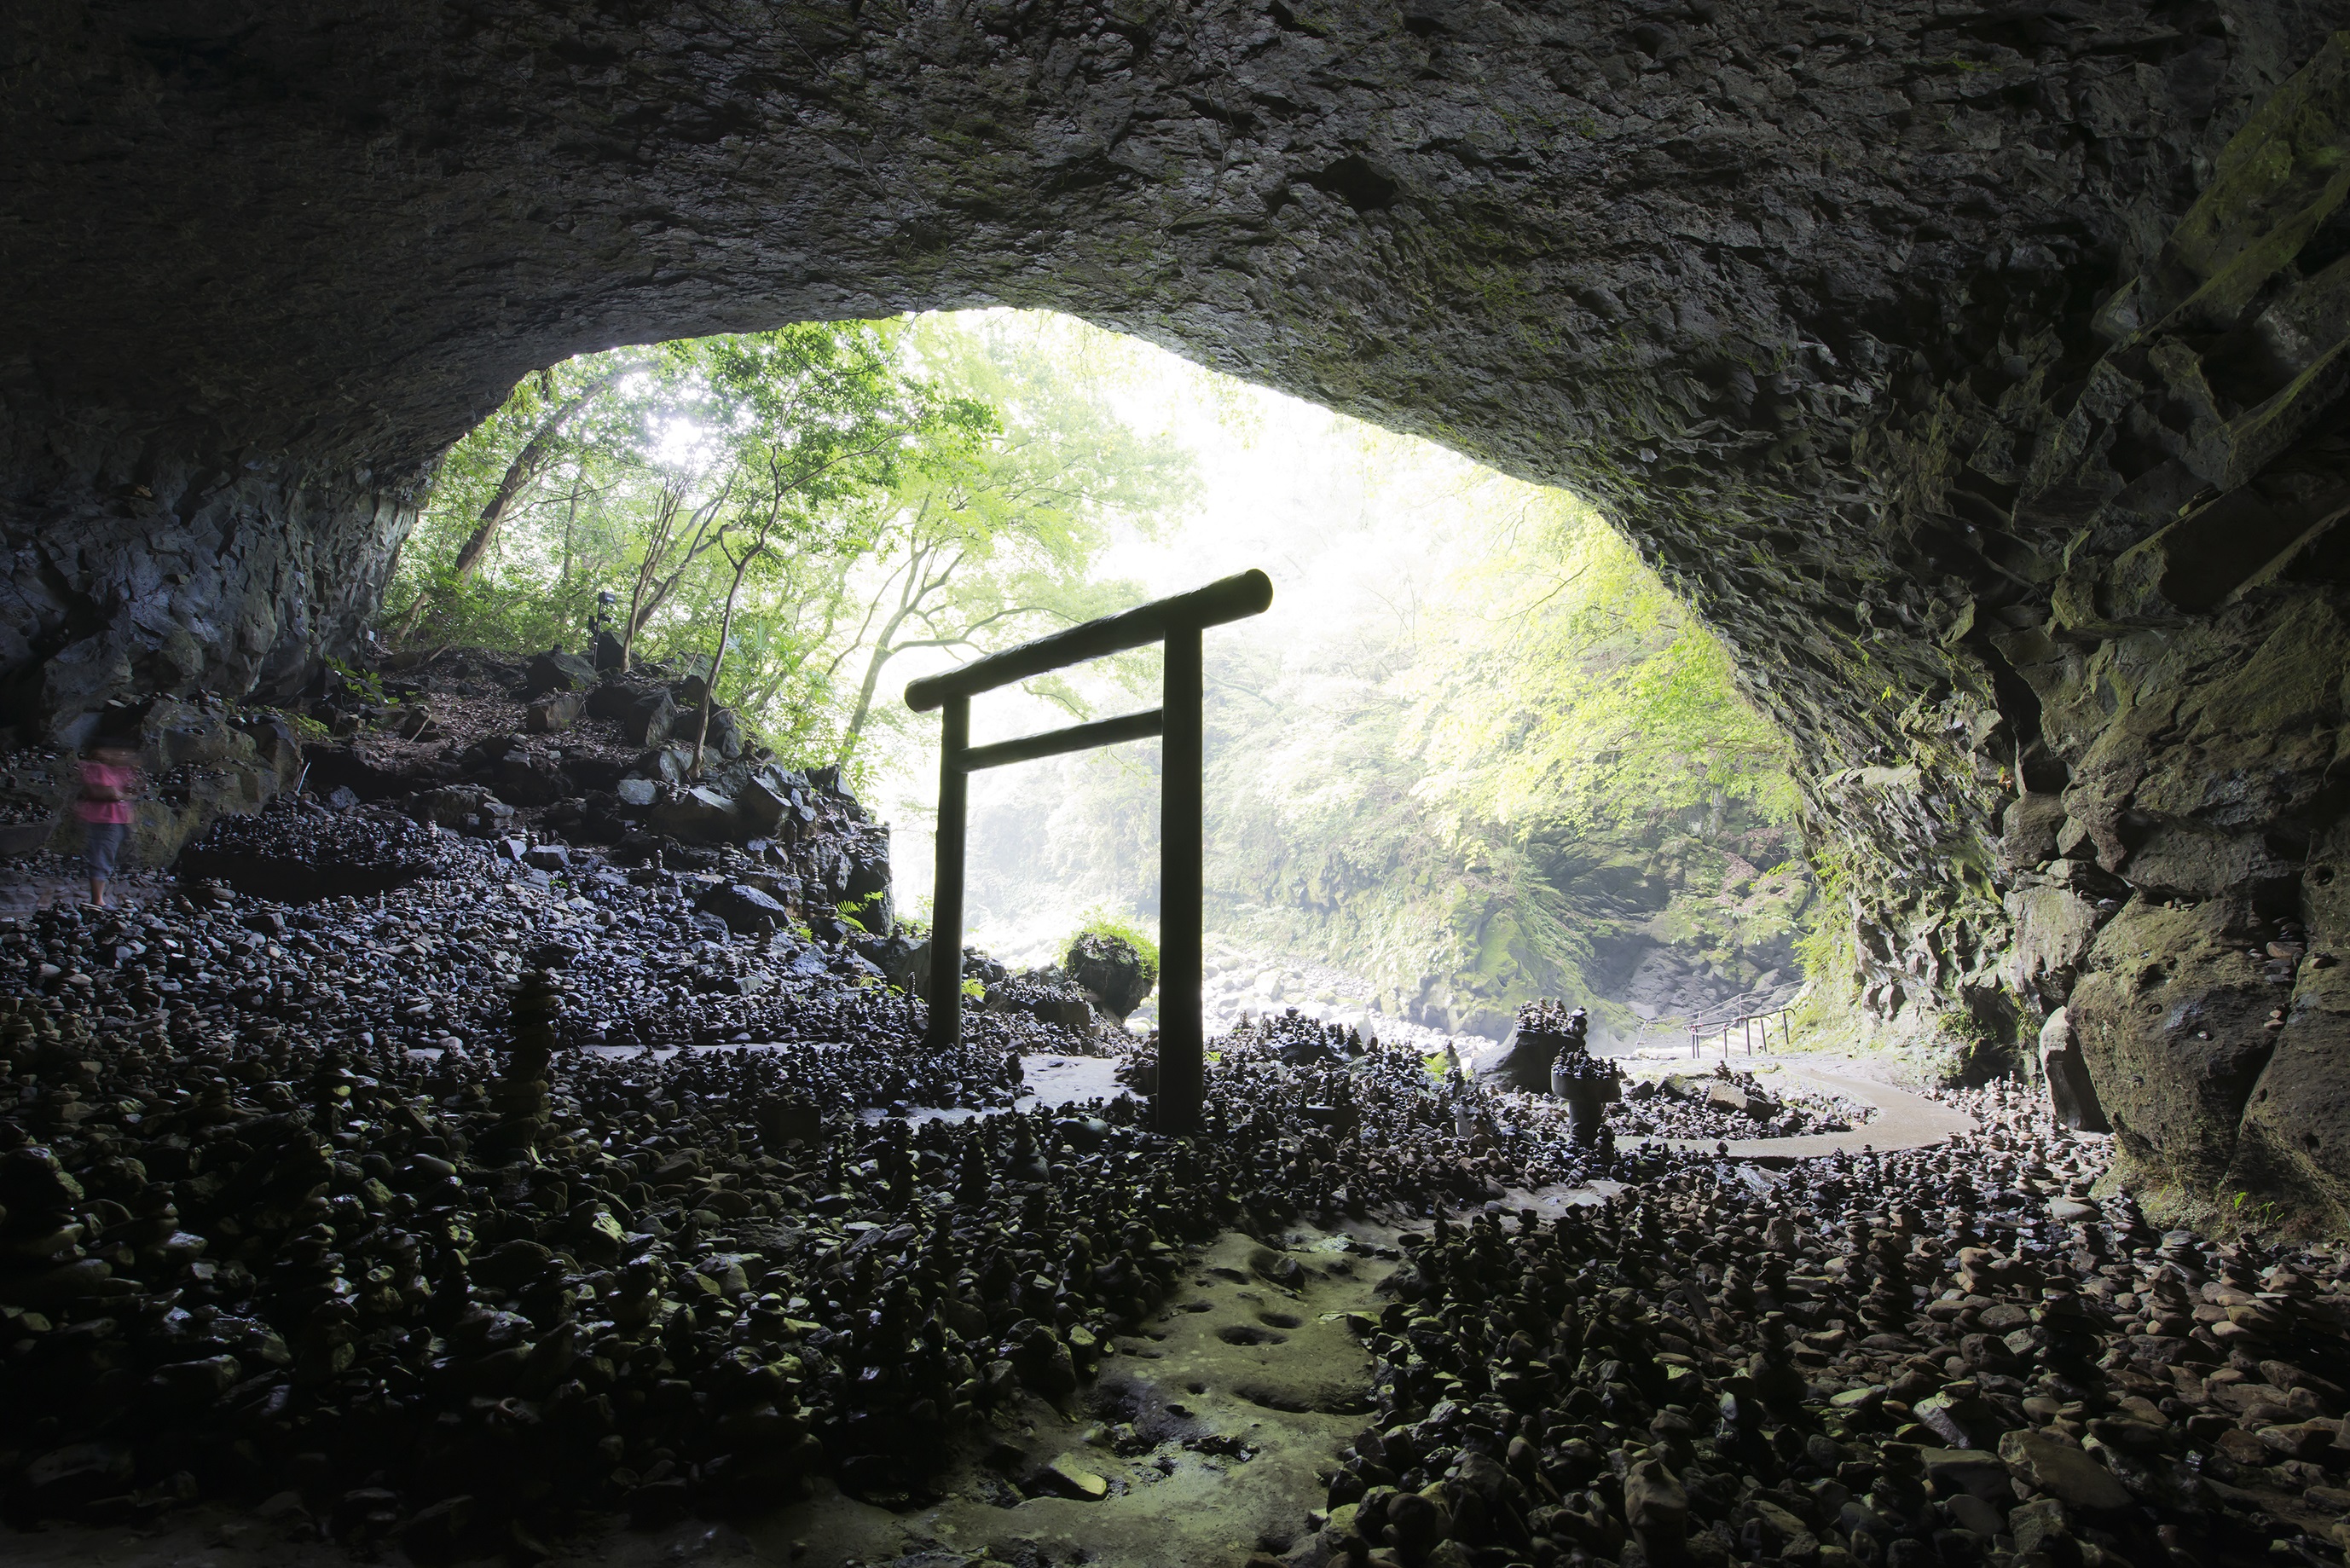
(1587, 1085)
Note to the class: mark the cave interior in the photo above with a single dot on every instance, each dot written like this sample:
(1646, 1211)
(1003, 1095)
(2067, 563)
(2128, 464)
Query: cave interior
(1975, 374)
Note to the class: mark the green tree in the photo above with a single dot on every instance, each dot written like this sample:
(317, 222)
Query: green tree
(994, 536)
(810, 421)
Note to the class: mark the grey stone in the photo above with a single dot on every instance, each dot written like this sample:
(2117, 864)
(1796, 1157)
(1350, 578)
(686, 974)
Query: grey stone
(557, 671)
(700, 815)
(1111, 970)
(761, 803)
(554, 713)
(746, 910)
(1975, 1471)
(2028, 829)
(648, 720)
(2070, 1087)
(2064, 1472)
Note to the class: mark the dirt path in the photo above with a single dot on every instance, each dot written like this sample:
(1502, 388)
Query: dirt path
(1903, 1120)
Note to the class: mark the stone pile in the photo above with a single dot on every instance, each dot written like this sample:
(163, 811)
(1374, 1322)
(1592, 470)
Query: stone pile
(1953, 1355)
(432, 959)
(263, 1227)
(1300, 1040)
(298, 850)
(1727, 1104)
(1546, 1031)
(1020, 999)
(472, 1292)
(494, 747)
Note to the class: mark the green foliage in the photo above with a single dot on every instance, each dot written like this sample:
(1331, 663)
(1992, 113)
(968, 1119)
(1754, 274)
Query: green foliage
(1827, 947)
(994, 539)
(796, 507)
(366, 684)
(310, 731)
(1567, 685)
(1480, 803)
(1102, 921)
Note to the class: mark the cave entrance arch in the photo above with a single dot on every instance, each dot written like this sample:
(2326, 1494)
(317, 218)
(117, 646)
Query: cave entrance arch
(1177, 623)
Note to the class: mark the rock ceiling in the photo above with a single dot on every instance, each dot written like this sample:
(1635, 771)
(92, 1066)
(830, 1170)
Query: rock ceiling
(1974, 372)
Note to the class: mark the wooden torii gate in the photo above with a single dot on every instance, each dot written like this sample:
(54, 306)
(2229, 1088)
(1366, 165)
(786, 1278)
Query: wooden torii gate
(1177, 622)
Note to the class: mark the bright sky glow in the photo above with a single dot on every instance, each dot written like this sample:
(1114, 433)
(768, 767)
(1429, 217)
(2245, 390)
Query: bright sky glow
(1353, 523)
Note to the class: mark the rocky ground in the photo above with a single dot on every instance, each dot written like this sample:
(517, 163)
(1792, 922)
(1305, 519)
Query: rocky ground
(456, 1190)
(1726, 1105)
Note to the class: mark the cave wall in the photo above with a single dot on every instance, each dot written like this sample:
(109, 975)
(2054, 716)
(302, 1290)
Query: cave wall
(134, 568)
(1894, 333)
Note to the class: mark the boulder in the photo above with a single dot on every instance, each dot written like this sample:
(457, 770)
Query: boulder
(2029, 828)
(528, 779)
(1524, 1063)
(638, 793)
(450, 806)
(555, 713)
(329, 768)
(1977, 1471)
(902, 960)
(2169, 1017)
(1065, 1477)
(556, 670)
(761, 802)
(650, 719)
(1065, 1008)
(746, 910)
(645, 714)
(700, 815)
(1723, 1094)
(587, 774)
(275, 744)
(1111, 968)
(2070, 1089)
(726, 734)
(869, 865)
(2062, 1471)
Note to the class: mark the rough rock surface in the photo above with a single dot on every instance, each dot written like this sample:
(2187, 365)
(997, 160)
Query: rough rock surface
(1111, 970)
(1964, 367)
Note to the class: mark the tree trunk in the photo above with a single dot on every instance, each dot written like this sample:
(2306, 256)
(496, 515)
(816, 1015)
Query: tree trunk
(718, 659)
(882, 654)
(516, 479)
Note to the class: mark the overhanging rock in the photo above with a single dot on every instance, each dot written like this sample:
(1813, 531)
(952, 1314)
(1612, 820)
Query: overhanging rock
(1973, 374)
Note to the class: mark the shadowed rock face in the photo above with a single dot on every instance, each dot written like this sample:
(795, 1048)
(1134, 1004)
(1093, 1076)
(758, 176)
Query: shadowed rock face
(1971, 371)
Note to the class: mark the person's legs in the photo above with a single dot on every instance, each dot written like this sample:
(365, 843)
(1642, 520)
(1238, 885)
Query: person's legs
(99, 849)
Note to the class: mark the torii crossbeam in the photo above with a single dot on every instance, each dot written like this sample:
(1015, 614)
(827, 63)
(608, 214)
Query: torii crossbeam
(1177, 622)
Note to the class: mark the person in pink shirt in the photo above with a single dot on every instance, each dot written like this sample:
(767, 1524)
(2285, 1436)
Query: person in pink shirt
(110, 782)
